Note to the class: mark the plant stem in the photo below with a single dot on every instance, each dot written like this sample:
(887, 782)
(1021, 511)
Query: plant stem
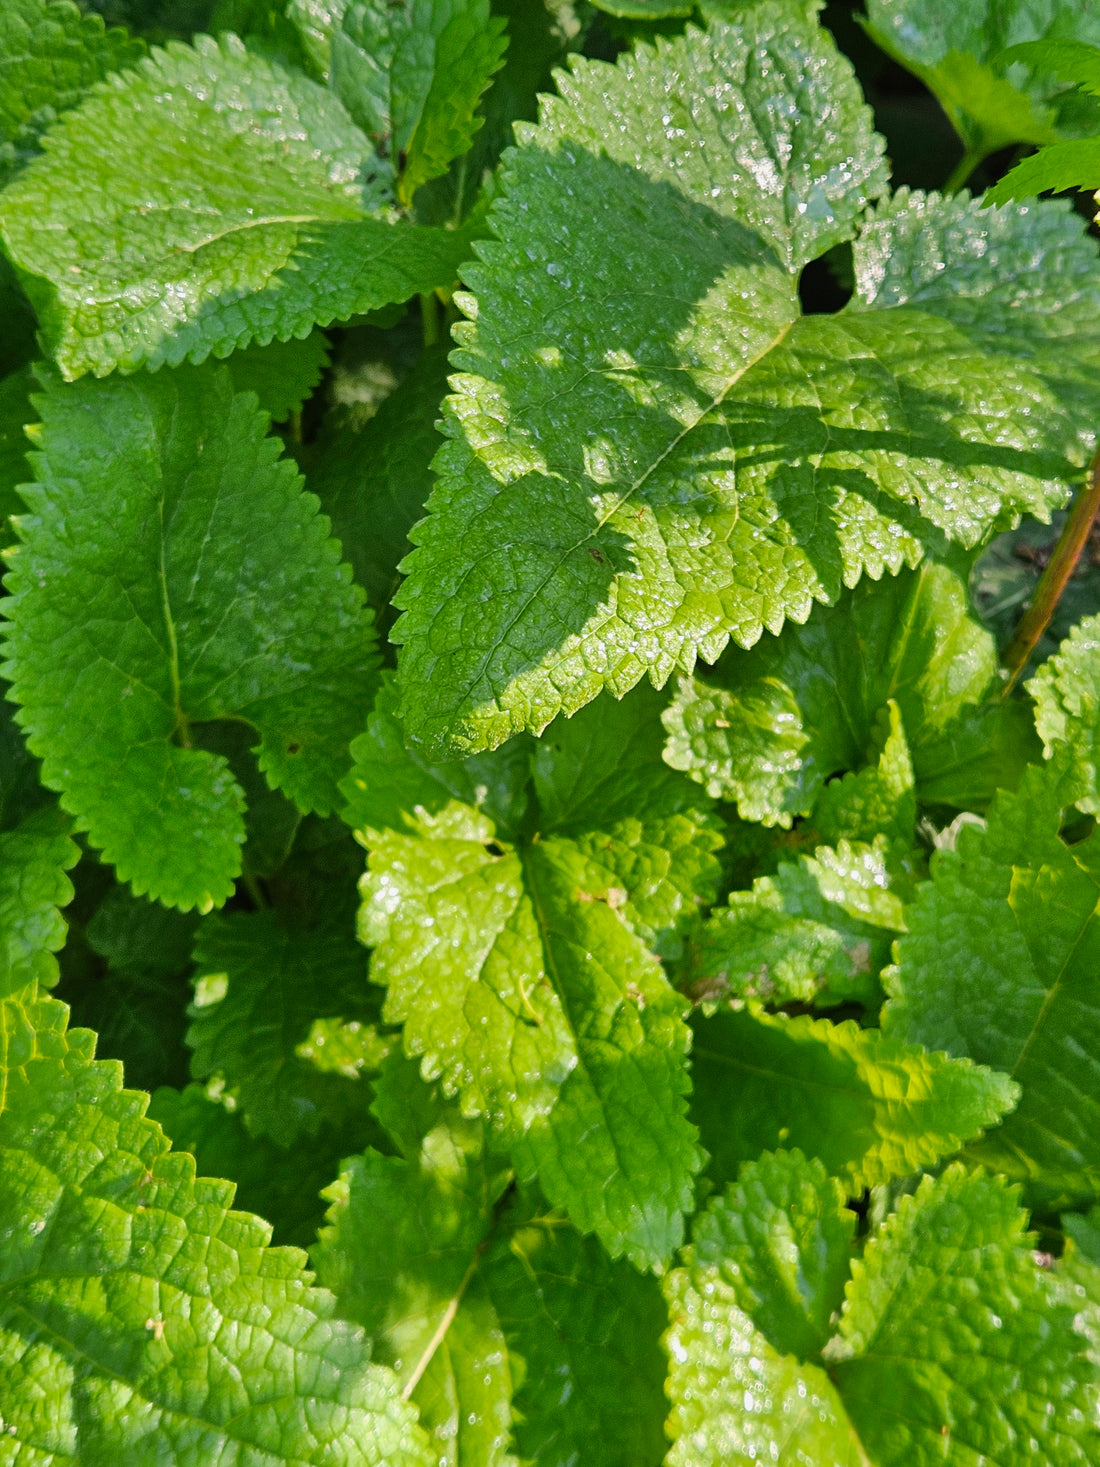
(1055, 577)
(961, 172)
(429, 317)
(255, 891)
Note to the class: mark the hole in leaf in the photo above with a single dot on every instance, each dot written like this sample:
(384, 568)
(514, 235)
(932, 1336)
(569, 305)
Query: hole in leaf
(826, 285)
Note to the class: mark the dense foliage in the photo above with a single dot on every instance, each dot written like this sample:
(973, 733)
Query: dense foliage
(561, 847)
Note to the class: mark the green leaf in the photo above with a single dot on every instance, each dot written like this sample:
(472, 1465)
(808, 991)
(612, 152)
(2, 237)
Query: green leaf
(140, 1319)
(956, 49)
(1066, 690)
(868, 1106)
(818, 931)
(131, 933)
(736, 1396)
(645, 9)
(17, 344)
(401, 1251)
(921, 252)
(50, 54)
(270, 820)
(688, 460)
(949, 1323)
(282, 374)
(276, 235)
(547, 1009)
(117, 642)
(999, 965)
(596, 197)
(316, 20)
(768, 728)
(390, 785)
(879, 799)
(782, 1238)
(124, 973)
(15, 412)
(262, 983)
(372, 481)
(540, 34)
(282, 1184)
(411, 77)
(953, 1345)
(34, 857)
(583, 1335)
(1062, 166)
(35, 853)
(1070, 61)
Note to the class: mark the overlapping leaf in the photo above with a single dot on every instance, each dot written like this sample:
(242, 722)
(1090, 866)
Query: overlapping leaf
(868, 1106)
(650, 451)
(476, 1295)
(372, 481)
(36, 851)
(583, 1334)
(282, 374)
(540, 35)
(202, 201)
(15, 413)
(265, 984)
(140, 1319)
(1000, 965)
(768, 728)
(411, 77)
(955, 49)
(952, 1344)
(50, 54)
(143, 603)
(818, 931)
(547, 1009)
(401, 1251)
(1066, 690)
(315, 21)
(1005, 1367)
(1060, 165)
(283, 1184)
(125, 970)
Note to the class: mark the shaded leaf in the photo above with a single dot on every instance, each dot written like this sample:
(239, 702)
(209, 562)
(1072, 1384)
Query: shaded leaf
(373, 481)
(583, 1334)
(143, 602)
(999, 966)
(282, 1184)
(262, 983)
(280, 230)
(957, 50)
(401, 1251)
(411, 77)
(767, 729)
(50, 54)
(868, 1106)
(548, 1010)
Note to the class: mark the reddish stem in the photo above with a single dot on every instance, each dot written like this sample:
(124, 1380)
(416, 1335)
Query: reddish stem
(1055, 578)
